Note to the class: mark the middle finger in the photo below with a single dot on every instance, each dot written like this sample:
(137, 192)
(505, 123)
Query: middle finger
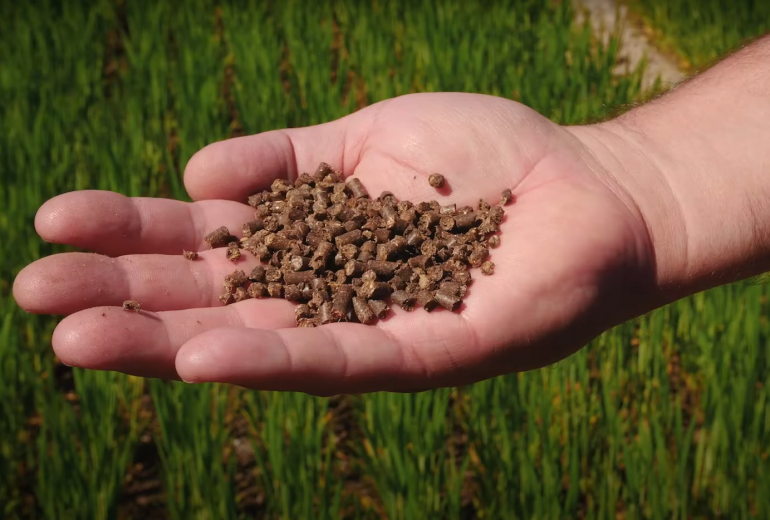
(69, 282)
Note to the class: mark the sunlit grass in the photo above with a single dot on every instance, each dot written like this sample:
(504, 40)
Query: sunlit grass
(663, 417)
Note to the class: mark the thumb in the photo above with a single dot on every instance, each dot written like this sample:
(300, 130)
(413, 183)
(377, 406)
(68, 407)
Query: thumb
(235, 168)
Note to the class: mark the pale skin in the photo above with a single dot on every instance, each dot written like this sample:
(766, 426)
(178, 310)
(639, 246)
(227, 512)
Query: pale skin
(611, 220)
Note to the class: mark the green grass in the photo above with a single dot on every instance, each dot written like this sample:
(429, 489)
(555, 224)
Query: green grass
(664, 417)
(701, 31)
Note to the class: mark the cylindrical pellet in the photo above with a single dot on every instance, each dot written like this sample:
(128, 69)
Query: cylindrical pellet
(363, 312)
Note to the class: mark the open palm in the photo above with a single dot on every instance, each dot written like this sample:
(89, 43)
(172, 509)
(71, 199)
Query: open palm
(573, 250)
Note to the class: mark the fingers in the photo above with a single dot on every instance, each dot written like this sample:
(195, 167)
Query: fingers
(336, 358)
(113, 224)
(145, 343)
(236, 168)
(70, 282)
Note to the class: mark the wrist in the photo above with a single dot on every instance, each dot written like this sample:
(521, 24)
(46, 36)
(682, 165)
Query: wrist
(704, 209)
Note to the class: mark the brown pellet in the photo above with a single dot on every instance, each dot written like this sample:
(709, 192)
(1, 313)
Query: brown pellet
(379, 307)
(384, 251)
(466, 221)
(240, 294)
(307, 322)
(257, 274)
(304, 178)
(447, 300)
(399, 226)
(292, 292)
(190, 255)
(365, 256)
(426, 300)
(424, 207)
(257, 290)
(403, 299)
(249, 228)
(339, 259)
(435, 273)
(436, 180)
(429, 248)
(398, 244)
(495, 214)
(421, 261)
(341, 302)
(220, 237)
(307, 291)
(301, 229)
(428, 220)
(355, 268)
(273, 275)
(381, 235)
(349, 251)
(319, 284)
(236, 278)
(377, 290)
(449, 209)
(132, 305)
(298, 277)
(506, 197)
(299, 263)
(463, 277)
(383, 268)
(233, 251)
(315, 237)
(334, 229)
(488, 268)
(275, 289)
(494, 241)
(322, 255)
(455, 288)
(447, 222)
(280, 185)
(364, 313)
(322, 171)
(339, 198)
(415, 239)
(357, 188)
(276, 242)
(351, 237)
(389, 215)
(478, 255)
(317, 299)
(397, 283)
(486, 227)
(325, 313)
(425, 283)
(225, 297)
(255, 200)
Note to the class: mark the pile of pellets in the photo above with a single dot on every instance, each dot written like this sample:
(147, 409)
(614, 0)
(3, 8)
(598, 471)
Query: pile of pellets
(342, 256)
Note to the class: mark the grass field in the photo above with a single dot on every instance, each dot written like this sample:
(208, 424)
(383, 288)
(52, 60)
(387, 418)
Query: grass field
(664, 417)
(699, 32)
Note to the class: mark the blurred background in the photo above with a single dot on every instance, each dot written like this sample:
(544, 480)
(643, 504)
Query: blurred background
(663, 417)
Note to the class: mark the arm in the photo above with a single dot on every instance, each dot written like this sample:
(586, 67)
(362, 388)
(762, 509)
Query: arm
(696, 163)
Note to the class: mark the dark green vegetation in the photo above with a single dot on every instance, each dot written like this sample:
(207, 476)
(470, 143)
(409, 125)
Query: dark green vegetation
(699, 32)
(664, 417)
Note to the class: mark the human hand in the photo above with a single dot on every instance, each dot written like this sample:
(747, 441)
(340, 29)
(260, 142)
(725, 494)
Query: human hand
(573, 247)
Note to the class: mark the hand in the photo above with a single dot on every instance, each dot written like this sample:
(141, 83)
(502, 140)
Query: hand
(575, 257)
